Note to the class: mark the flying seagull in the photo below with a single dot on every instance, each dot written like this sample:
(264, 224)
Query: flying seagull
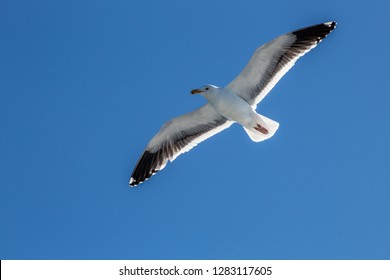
(234, 103)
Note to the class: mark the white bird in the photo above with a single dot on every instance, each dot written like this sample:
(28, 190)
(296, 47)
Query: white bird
(234, 103)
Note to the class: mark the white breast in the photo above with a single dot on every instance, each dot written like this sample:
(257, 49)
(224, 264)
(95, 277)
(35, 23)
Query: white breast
(231, 106)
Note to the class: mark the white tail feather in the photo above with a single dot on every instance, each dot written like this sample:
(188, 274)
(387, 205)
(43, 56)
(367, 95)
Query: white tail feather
(266, 123)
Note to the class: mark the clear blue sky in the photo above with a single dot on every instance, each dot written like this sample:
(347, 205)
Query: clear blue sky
(84, 85)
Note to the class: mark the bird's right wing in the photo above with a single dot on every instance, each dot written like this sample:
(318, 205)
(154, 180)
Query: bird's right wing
(176, 137)
(271, 61)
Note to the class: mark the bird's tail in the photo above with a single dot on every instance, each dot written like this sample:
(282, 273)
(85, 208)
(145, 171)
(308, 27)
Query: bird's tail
(262, 129)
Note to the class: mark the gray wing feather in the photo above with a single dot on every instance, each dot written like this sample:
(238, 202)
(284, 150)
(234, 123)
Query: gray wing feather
(271, 61)
(176, 137)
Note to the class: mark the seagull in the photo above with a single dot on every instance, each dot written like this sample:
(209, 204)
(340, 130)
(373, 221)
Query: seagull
(235, 103)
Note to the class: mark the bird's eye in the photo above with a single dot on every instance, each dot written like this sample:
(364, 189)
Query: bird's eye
(207, 88)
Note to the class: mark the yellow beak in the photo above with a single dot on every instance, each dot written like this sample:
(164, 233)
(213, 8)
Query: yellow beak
(194, 91)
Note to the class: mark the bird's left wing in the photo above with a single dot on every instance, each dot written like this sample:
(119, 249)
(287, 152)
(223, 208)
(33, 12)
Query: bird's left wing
(271, 61)
(178, 136)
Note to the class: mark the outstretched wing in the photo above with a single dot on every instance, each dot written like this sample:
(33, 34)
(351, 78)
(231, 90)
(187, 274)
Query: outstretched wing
(176, 137)
(271, 61)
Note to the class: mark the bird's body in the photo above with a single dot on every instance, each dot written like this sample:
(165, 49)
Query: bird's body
(227, 103)
(234, 103)
(230, 105)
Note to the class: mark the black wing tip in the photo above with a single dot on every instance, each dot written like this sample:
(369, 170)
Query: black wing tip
(330, 24)
(315, 32)
(148, 165)
(133, 182)
(328, 27)
(142, 171)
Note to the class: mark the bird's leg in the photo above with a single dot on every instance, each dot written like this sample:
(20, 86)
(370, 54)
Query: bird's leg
(261, 129)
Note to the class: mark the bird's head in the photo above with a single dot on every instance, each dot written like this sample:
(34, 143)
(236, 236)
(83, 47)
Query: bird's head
(205, 90)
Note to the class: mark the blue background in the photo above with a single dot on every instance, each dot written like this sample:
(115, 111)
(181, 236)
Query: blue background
(84, 85)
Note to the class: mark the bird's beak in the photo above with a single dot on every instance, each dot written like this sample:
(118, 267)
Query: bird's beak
(194, 91)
